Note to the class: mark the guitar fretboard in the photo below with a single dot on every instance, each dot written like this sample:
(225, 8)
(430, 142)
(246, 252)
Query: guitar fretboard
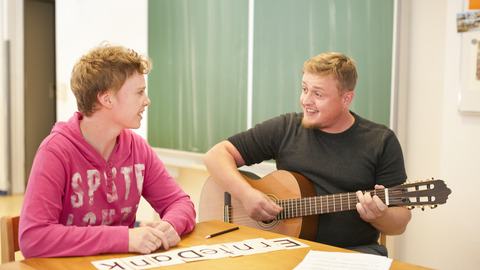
(325, 204)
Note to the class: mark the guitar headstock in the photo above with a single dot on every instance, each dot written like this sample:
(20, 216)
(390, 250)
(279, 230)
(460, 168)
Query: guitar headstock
(431, 192)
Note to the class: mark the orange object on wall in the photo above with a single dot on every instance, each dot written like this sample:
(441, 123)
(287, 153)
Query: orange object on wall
(474, 4)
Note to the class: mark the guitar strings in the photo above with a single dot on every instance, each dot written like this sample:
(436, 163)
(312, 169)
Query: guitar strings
(299, 207)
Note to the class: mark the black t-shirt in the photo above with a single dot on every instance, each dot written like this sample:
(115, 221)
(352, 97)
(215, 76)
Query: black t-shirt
(356, 159)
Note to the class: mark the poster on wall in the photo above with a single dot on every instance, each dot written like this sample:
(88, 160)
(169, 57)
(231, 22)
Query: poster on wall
(468, 21)
(469, 94)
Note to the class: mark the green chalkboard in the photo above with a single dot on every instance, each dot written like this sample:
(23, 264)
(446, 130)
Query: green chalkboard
(198, 86)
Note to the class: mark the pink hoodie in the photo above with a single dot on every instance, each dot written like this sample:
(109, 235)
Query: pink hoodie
(78, 204)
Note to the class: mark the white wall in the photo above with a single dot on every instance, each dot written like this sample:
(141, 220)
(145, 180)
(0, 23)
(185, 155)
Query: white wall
(437, 140)
(440, 142)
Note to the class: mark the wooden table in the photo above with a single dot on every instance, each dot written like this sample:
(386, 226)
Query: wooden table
(282, 259)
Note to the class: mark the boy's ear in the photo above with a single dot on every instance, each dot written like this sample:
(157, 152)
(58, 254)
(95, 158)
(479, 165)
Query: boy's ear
(105, 99)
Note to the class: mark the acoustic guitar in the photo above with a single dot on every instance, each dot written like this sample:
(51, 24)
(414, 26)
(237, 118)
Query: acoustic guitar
(297, 196)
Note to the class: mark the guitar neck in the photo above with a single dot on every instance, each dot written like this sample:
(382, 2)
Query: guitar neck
(325, 204)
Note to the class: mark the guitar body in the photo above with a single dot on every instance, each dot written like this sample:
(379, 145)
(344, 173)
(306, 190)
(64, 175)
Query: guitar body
(279, 185)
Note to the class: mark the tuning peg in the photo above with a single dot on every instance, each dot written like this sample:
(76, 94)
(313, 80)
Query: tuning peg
(422, 207)
(410, 207)
(406, 182)
(433, 206)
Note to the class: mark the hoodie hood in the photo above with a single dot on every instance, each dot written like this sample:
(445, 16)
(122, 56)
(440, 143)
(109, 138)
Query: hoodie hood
(71, 131)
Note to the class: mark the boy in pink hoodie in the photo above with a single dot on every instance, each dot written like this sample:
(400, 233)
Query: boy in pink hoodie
(90, 172)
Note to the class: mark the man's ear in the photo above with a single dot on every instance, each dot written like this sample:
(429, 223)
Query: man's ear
(348, 98)
(104, 99)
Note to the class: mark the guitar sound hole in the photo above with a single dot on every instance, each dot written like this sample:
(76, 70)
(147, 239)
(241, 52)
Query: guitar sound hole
(269, 224)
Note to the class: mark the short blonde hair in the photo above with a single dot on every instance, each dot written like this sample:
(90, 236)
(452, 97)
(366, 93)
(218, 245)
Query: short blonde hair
(341, 67)
(105, 67)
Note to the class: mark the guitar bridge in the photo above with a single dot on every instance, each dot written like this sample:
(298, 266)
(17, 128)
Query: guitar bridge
(227, 198)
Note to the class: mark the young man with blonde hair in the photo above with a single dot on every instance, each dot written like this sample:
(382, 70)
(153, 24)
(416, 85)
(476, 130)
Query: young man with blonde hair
(331, 146)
